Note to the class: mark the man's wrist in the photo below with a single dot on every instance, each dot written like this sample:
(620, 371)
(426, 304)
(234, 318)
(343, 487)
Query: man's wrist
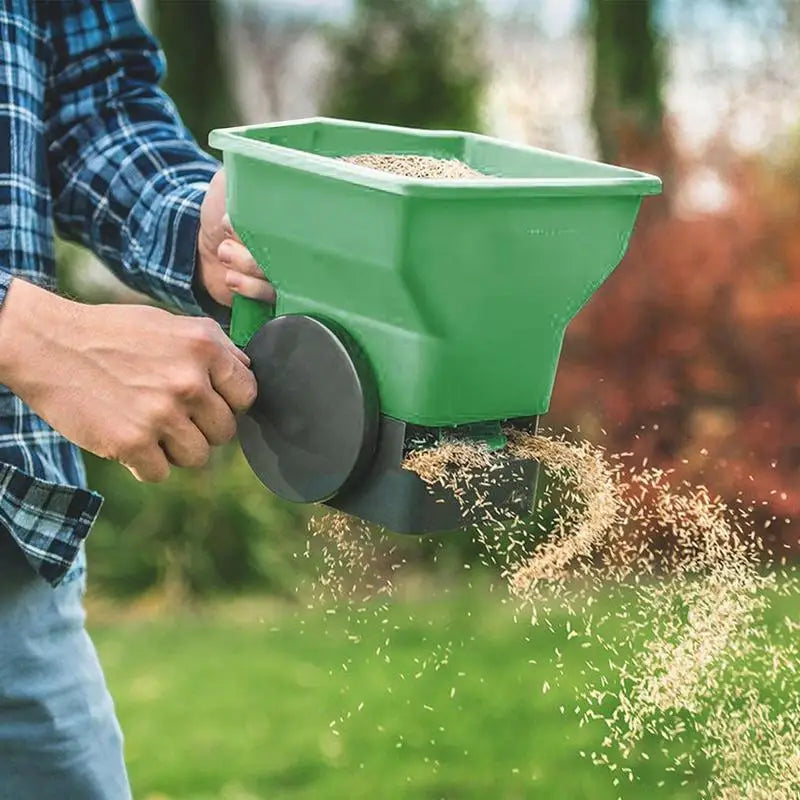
(15, 294)
(29, 315)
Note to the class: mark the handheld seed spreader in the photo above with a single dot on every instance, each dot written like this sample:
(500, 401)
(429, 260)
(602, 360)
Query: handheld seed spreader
(408, 308)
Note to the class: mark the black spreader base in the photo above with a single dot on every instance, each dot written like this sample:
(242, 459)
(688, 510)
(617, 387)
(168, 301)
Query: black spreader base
(401, 501)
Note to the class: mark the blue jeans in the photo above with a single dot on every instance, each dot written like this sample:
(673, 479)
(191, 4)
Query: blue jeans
(59, 736)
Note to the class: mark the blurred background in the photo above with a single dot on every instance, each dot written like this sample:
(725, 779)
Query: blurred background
(688, 356)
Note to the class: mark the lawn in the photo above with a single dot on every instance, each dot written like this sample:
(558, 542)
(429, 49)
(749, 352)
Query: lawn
(439, 694)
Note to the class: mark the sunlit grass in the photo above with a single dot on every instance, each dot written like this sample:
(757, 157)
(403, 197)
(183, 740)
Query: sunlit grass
(249, 700)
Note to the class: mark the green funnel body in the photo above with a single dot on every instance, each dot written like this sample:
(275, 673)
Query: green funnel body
(458, 292)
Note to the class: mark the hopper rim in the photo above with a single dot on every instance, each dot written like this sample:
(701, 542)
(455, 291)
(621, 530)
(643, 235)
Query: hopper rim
(623, 180)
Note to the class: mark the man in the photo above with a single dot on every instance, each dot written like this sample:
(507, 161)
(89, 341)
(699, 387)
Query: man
(89, 142)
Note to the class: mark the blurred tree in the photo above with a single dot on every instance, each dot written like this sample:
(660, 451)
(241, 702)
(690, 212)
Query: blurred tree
(627, 109)
(190, 32)
(409, 62)
(270, 35)
(688, 356)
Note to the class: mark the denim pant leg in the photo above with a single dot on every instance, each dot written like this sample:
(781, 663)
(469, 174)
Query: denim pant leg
(59, 736)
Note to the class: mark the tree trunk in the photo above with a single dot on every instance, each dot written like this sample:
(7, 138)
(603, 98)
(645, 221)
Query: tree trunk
(197, 78)
(627, 110)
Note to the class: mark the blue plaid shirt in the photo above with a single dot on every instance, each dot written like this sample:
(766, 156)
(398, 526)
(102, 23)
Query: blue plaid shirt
(89, 143)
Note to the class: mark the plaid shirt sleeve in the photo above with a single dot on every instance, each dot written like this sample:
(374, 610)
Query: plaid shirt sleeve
(48, 521)
(127, 178)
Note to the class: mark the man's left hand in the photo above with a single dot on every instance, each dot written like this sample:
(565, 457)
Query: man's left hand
(226, 265)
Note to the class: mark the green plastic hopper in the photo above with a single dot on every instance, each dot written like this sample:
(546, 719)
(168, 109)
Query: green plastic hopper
(457, 292)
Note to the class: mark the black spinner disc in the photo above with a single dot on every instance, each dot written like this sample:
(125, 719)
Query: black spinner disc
(313, 426)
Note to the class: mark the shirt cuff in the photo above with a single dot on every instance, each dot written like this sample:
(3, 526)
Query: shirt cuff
(166, 244)
(48, 521)
(172, 259)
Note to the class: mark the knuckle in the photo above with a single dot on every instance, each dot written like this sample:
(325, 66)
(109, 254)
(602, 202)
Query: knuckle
(225, 430)
(229, 432)
(210, 326)
(227, 372)
(132, 443)
(202, 456)
(205, 336)
(137, 441)
(243, 388)
(196, 457)
(164, 411)
(190, 385)
(250, 391)
(209, 329)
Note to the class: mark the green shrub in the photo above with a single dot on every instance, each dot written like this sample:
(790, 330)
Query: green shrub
(202, 531)
(409, 62)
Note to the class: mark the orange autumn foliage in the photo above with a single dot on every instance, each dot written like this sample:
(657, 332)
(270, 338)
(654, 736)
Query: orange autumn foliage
(690, 353)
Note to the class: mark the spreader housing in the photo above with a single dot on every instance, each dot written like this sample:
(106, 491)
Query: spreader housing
(455, 293)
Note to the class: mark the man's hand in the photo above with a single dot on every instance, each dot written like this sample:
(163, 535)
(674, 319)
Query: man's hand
(130, 383)
(225, 264)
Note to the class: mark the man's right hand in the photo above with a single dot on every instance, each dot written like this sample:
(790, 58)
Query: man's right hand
(131, 383)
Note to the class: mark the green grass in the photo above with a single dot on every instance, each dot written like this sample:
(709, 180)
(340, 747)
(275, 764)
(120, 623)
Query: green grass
(254, 702)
